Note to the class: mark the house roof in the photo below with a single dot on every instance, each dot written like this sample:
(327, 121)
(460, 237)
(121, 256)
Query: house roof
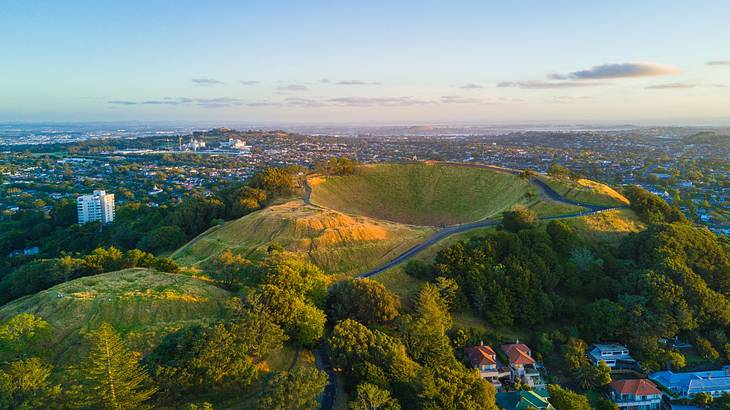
(637, 387)
(480, 355)
(692, 382)
(523, 400)
(608, 347)
(518, 353)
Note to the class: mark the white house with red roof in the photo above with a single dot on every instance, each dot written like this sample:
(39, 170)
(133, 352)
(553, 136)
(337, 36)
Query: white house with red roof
(635, 394)
(522, 365)
(484, 359)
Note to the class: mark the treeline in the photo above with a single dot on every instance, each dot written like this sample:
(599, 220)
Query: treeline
(672, 279)
(41, 274)
(337, 166)
(136, 225)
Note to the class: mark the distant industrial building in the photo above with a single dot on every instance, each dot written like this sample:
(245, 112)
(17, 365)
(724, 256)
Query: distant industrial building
(237, 144)
(98, 206)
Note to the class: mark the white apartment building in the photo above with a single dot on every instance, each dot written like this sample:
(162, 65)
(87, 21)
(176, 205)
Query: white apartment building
(98, 206)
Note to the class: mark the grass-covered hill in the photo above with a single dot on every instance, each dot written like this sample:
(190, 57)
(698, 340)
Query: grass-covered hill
(141, 304)
(586, 191)
(421, 193)
(336, 242)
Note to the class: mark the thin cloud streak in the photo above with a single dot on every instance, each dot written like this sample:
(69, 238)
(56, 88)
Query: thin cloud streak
(206, 82)
(676, 86)
(623, 70)
(249, 83)
(471, 86)
(379, 101)
(121, 102)
(357, 82)
(457, 99)
(293, 87)
(718, 62)
(544, 85)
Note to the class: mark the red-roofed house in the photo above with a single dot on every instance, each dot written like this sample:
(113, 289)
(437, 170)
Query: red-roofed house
(635, 394)
(484, 359)
(522, 365)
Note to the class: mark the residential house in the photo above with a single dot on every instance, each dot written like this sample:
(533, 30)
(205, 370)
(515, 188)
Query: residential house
(614, 354)
(522, 365)
(687, 384)
(524, 400)
(484, 359)
(635, 394)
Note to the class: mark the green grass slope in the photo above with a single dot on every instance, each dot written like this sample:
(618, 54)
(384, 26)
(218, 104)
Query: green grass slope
(421, 193)
(141, 304)
(587, 191)
(336, 242)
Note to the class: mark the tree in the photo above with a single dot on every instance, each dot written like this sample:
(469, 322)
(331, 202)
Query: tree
(25, 384)
(215, 358)
(275, 181)
(295, 390)
(702, 399)
(603, 403)
(166, 265)
(21, 334)
(424, 332)
(364, 300)
(518, 219)
(562, 235)
(419, 269)
(601, 375)
(243, 200)
(348, 342)
(337, 166)
(454, 388)
(449, 291)
(115, 378)
(163, 238)
(229, 269)
(558, 171)
(584, 260)
(371, 397)
(602, 319)
(705, 349)
(195, 214)
(574, 354)
(584, 376)
(308, 325)
(564, 399)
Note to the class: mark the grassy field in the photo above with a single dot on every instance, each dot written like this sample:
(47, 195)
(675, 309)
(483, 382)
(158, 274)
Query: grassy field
(608, 226)
(336, 242)
(420, 194)
(141, 304)
(585, 190)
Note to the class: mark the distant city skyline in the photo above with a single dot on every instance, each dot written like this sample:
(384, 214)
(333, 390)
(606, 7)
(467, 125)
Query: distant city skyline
(366, 62)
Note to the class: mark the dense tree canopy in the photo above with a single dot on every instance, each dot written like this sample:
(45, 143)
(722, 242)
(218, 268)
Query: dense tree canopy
(366, 301)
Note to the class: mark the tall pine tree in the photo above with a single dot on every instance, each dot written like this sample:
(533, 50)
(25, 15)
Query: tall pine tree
(114, 376)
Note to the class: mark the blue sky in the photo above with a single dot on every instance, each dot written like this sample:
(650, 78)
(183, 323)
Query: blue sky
(370, 61)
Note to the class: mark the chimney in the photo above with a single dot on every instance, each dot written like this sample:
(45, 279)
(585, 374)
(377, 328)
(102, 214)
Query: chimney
(481, 343)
